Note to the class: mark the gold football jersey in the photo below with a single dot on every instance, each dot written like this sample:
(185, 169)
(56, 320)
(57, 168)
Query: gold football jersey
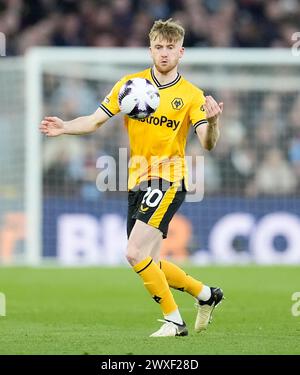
(157, 143)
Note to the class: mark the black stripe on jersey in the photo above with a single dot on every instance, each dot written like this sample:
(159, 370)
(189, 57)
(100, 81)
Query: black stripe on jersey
(201, 122)
(107, 111)
(168, 84)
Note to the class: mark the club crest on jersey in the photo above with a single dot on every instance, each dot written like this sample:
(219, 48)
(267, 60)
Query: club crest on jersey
(177, 103)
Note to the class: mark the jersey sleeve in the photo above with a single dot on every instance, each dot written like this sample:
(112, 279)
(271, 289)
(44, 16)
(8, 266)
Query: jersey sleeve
(197, 110)
(110, 104)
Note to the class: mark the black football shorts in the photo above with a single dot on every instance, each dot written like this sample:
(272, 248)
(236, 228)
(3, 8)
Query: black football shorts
(155, 202)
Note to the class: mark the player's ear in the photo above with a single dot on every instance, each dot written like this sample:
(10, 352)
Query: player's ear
(181, 52)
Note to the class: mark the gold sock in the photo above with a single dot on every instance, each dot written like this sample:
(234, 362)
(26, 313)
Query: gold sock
(156, 284)
(178, 279)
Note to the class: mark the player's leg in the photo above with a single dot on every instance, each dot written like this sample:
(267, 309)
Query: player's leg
(164, 203)
(207, 297)
(155, 205)
(180, 280)
(143, 241)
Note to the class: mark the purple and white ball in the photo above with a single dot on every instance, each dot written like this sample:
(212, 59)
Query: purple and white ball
(138, 98)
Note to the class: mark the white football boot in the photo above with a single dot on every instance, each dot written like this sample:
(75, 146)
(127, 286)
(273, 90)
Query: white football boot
(206, 308)
(170, 329)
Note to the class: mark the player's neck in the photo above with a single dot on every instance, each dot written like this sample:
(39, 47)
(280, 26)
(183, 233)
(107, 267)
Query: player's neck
(165, 78)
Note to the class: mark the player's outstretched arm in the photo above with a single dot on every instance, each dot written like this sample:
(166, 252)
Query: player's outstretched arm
(54, 126)
(209, 134)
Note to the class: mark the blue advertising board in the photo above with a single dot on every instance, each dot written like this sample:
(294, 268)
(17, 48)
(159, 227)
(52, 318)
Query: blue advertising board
(224, 230)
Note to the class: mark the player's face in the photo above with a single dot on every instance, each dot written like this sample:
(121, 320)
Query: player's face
(166, 54)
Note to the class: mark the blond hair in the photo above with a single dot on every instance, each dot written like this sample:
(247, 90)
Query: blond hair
(168, 30)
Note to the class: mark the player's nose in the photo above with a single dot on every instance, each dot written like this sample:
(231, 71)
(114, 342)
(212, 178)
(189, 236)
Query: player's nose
(164, 52)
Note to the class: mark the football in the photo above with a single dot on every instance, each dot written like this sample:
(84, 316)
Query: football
(138, 98)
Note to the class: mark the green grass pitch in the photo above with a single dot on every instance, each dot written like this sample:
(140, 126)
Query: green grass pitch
(108, 311)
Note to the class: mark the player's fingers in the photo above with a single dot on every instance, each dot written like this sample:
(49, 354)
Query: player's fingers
(51, 119)
(212, 110)
(207, 110)
(210, 100)
(209, 104)
(216, 108)
(221, 105)
(207, 100)
(48, 125)
(214, 105)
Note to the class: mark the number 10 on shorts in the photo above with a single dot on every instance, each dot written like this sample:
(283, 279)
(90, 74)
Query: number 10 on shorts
(152, 197)
(2, 305)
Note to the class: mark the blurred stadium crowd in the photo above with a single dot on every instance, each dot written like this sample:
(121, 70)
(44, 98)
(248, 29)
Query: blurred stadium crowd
(215, 23)
(211, 23)
(259, 151)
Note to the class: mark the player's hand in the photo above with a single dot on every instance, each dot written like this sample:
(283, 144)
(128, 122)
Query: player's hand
(213, 109)
(52, 126)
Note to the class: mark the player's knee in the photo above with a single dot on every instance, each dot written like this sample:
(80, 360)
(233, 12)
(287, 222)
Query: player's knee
(132, 255)
(131, 260)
